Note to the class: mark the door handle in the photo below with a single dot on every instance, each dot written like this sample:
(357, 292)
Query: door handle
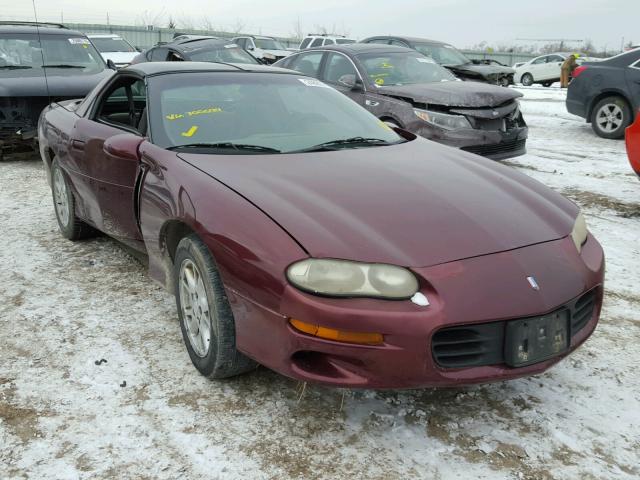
(77, 144)
(371, 103)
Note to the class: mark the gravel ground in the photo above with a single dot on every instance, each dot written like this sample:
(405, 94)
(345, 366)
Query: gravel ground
(96, 383)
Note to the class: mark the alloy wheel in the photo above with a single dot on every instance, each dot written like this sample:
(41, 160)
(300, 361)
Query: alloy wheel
(609, 118)
(194, 303)
(61, 197)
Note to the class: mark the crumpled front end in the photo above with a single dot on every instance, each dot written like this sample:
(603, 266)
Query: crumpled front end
(496, 133)
(19, 124)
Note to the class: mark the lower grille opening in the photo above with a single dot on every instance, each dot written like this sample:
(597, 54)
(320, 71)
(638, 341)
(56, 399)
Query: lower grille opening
(497, 148)
(468, 346)
(583, 311)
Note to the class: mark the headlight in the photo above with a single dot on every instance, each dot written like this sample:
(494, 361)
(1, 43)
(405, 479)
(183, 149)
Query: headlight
(443, 120)
(579, 232)
(342, 278)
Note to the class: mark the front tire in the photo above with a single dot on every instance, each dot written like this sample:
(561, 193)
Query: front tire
(547, 84)
(207, 323)
(610, 117)
(64, 204)
(527, 80)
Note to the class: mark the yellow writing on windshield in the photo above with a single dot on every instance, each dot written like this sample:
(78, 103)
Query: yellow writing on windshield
(193, 113)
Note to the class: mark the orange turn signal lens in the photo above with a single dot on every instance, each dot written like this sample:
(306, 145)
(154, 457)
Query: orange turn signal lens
(337, 335)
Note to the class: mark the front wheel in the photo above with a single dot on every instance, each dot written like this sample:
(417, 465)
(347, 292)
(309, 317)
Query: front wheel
(207, 323)
(64, 204)
(610, 117)
(547, 84)
(527, 79)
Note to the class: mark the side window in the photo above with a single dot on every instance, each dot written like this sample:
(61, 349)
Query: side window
(241, 42)
(305, 43)
(250, 44)
(174, 57)
(316, 43)
(149, 53)
(340, 70)
(307, 63)
(124, 105)
(539, 61)
(554, 59)
(399, 43)
(159, 54)
(328, 41)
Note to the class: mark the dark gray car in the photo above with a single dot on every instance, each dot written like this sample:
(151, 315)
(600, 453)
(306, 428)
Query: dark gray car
(406, 89)
(607, 93)
(450, 57)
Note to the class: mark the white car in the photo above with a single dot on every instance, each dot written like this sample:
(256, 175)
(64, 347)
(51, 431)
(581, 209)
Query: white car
(544, 69)
(114, 48)
(320, 40)
(266, 49)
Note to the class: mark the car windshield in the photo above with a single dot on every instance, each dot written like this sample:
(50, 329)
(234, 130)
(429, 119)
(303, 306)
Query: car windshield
(223, 53)
(402, 68)
(25, 51)
(257, 111)
(442, 54)
(268, 44)
(112, 44)
(344, 41)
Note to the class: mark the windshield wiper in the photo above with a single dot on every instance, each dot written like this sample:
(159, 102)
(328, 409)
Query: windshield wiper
(227, 146)
(345, 142)
(62, 65)
(13, 67)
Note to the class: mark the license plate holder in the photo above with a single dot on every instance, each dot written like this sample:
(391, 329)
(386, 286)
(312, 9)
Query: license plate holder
(535, 339)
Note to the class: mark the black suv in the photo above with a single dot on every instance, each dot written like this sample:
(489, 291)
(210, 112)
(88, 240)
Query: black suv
(448, 56)
(40, 64)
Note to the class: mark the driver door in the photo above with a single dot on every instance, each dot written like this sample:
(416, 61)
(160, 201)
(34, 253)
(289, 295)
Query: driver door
(341, 74)
(120, 109)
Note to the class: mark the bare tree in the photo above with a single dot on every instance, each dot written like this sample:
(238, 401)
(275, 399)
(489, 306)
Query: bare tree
(147, 17)
(238, 26)
(207, 24)
(171, 23)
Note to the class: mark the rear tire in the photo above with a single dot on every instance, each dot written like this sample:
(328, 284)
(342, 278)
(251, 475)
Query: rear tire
(527, 79)
(547, 84)
(206, 320)
(610, 117)
(64, 205)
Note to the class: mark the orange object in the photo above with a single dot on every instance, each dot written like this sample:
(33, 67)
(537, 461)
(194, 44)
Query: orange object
(633, 144)
(337, 335)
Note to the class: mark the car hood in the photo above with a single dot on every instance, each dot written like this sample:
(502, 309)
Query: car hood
(414, 204)
(453, 94)
(480, 69)
(119, 57)
(61, 83)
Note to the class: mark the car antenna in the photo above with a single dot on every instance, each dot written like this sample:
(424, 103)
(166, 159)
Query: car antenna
(44, 70)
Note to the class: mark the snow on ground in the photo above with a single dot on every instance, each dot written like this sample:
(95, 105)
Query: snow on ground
(65, 306)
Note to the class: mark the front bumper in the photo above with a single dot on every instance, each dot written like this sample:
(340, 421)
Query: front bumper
(494, 144)
(473, 291)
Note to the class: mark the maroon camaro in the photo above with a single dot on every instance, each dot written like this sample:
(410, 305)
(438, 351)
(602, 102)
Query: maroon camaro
(298, 231)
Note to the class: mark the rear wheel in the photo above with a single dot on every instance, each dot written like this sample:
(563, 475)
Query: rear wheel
(64, 203)
(547, 84)
(610, 117)
(527, 79)
(207, 323)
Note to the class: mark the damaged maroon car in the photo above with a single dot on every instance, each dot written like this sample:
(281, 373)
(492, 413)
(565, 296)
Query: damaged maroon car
(299, 231)
(409, 90)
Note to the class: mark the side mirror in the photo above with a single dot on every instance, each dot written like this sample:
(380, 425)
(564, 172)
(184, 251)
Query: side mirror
(250, 48)
(138, 49)
(348, 80)
(358, 86)
(111, 65)
(124, 145)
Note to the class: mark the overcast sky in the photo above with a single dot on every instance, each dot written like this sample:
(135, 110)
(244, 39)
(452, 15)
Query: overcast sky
(462, 23)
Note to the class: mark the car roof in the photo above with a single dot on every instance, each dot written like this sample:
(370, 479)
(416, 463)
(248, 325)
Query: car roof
(358, 48)
(191, 44)
(43, 30)
(408, 39)
(148, 69)
(103, 35)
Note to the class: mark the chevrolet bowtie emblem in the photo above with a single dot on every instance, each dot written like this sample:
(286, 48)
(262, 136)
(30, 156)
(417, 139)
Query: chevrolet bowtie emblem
(533, 283)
